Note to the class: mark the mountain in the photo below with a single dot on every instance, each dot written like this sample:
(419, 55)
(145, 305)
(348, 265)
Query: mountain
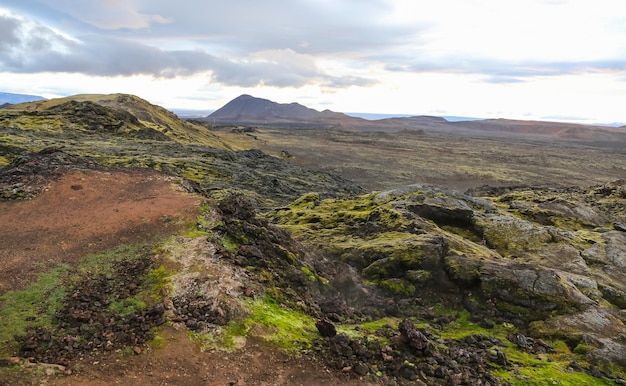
(249, 110)
(6, 97)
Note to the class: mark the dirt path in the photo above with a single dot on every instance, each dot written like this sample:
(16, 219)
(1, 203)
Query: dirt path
(86, 211)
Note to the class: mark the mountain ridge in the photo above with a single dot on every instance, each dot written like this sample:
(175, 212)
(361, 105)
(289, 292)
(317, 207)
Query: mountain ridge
(249, 110)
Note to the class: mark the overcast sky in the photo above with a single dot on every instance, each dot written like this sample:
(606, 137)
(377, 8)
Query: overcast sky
(527, 59)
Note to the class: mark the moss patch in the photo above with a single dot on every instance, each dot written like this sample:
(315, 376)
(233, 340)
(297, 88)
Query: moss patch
(32, 307)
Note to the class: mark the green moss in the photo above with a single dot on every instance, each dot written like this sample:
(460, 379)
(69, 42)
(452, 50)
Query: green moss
(4, 161)
(511, 236)
(465, 233)
(34, 306)
(127, 306)
(397, 286)
(308, 201)
(418, 277)
(232, 335)
(157, 279)
(286, 328)
(583, 349)
(230, 244)
(547, 373)
(369, 330)
(309, 274)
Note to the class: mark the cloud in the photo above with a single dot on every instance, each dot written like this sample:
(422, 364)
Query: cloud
(244, 43)
(31, 47)
(104, 14)
(502, 79)
(504, 71)
(283, 43)
(9, 33)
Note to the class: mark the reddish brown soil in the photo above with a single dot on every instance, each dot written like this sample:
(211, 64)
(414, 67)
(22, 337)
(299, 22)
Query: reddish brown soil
(181, 363)
(85, 212)
(88, 211)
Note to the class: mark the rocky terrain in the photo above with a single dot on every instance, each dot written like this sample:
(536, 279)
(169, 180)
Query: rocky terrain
(224, 265)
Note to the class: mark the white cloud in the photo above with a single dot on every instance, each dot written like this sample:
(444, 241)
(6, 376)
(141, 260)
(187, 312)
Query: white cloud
(476, 57)
(108, 14)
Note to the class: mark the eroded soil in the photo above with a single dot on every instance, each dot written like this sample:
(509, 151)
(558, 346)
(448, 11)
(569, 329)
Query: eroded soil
(86, 211)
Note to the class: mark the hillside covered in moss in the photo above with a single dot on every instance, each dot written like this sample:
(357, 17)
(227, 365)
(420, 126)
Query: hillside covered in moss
(414, 285)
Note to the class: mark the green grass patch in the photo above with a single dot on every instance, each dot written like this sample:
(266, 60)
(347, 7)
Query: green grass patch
(547, 374)
(288, 329)
(158, 342)
(104, 263)
(230, 244)
(127, 306)
(34, 306)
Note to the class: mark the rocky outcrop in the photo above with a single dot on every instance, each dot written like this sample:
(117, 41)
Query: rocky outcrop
(547, 258)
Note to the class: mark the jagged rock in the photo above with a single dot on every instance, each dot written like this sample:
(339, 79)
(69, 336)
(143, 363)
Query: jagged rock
(540, 255)
(414, 337)
(598, 327)
(326, 328)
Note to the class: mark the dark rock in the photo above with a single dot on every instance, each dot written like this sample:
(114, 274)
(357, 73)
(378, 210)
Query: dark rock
(361, 369)
(414, 337)
(409, 371)
(523, 342)
(326, 328)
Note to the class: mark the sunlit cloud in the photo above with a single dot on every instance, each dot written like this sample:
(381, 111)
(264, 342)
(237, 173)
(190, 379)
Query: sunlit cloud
(333, 54)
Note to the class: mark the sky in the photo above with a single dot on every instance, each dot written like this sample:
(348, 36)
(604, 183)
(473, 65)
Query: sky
(560, 60)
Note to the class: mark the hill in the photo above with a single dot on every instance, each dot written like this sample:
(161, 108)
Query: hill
(119, 114)
(135, 258)
(249, 110)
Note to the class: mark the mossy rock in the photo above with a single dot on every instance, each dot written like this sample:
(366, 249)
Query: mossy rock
(392, 254)
(509, 235)
(530, 292)
(397, 286)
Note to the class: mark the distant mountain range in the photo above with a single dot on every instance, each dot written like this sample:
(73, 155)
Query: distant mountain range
(252, 111)
(8, 98)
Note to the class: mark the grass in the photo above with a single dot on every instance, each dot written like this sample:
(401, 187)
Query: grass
(288, 329)
(34, 306)
(127, 306)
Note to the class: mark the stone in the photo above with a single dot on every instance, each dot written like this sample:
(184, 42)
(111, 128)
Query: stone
(414, 337)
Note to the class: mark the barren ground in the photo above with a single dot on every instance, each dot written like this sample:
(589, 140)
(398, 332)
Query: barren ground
(89, 211)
